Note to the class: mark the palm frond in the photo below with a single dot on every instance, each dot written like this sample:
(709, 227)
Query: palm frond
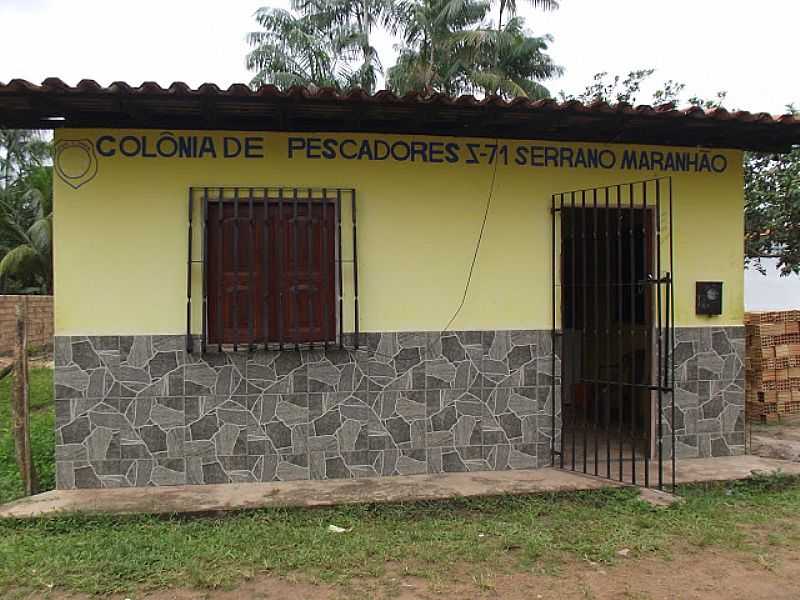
(546, 5)
(11, 230)
(26, 204)
(289, 51)
(41, 235)
(20, 261)
(535, 90)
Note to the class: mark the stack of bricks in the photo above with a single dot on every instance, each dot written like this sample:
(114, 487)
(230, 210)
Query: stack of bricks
(773, 364)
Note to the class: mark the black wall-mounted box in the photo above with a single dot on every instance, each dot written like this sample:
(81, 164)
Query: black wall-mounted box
(708, 298)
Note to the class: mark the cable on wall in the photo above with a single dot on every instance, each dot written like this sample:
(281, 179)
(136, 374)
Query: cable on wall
(477, 244)
(473, 262)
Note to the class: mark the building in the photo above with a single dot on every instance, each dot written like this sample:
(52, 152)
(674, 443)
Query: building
(266, 285)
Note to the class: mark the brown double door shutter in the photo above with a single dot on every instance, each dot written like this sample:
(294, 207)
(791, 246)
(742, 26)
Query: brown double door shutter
(271, 272)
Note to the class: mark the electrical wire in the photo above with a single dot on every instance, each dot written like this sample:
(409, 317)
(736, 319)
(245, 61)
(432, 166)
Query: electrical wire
(474, 261)
(478, 242)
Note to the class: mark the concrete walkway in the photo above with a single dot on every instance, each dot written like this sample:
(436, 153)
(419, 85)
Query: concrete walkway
(198, 499)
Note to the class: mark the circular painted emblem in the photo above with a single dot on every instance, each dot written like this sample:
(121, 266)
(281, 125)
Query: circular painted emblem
(75, 162)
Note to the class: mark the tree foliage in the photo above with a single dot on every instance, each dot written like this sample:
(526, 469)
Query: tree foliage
(26, 212)
(612, 88)
(772, 181)
(772, 209)
(324, 43)
(429, 59)
(20, 150)
(508, 61)
(448, 46)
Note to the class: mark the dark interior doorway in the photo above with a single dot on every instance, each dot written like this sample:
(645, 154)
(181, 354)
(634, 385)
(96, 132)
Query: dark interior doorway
(608, 338)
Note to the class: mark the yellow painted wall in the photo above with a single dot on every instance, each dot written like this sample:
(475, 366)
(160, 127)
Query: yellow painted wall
(121, 237)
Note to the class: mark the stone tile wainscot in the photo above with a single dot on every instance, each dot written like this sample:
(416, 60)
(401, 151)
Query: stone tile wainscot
(140, 410)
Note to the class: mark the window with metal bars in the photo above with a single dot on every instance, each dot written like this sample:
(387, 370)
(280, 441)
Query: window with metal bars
(272, 262)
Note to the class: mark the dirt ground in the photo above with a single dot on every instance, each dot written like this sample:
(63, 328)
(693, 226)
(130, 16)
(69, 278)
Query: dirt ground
(707, 575)
(781, 440)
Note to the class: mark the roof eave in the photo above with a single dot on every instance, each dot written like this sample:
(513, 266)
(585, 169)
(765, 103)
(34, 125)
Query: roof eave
(149, 106)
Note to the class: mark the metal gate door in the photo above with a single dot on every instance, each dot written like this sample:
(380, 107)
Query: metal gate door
(613, 316)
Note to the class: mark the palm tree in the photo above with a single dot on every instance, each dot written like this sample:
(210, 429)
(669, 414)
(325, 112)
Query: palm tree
(447, 46)
(26, 231)
(352, 23)
(26, 207)
(328, 44)
(510, 6)
(20, 149)
(429, 60)
(508, 62)
(290, 51)
(450, 48)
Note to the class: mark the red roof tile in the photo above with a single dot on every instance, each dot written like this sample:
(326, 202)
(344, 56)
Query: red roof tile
(88, 104)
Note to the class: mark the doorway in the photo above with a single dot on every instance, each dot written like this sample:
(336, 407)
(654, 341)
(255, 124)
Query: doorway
(614, 295)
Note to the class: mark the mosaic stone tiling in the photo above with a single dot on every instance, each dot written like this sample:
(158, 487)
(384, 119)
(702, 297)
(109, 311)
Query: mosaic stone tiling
(140, 410)
(136, 411)
(709, 392)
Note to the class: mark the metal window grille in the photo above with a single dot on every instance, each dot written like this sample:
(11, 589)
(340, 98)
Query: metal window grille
(272, 263)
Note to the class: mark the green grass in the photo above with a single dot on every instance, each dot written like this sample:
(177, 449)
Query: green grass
(103, 555)
(42, 439)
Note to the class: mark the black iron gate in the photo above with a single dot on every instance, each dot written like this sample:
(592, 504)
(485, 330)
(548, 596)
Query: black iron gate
(613, 321)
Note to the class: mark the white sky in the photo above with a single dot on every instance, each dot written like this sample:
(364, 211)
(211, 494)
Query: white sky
(770, 291)
(745, 48)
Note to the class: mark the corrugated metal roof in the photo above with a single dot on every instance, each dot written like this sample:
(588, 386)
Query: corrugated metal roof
(149, 105)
